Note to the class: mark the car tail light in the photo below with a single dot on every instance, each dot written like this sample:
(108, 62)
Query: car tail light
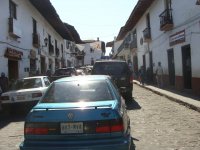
(110, 126)
(34, 95)
(104, 129)
(38, 131)
(40, 128)
(3, 98)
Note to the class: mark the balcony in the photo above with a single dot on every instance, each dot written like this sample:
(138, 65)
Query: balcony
(57, 52)
(166, 20)
(80, 55)
(147, 34)
(51, 49)
(13, 28)
(126, 46)
(36, 40)
(133, 44)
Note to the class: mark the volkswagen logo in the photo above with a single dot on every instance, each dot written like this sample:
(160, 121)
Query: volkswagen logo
(70, 116)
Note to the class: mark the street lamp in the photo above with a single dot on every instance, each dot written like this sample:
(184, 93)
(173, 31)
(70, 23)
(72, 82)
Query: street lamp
(45, 42)
(45, 45)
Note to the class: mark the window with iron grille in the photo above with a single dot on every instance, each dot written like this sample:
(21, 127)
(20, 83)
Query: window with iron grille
(13, 10)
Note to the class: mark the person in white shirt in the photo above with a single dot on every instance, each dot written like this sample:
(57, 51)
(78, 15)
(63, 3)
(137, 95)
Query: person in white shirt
(159, 75)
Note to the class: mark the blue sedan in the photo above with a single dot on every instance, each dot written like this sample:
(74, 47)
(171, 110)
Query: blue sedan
(78, 113)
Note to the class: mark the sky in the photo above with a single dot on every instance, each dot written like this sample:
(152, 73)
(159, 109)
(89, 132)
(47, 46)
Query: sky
(95, 18)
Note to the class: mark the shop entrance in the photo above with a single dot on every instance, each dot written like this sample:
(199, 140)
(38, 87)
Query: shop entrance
(171, 67)
(42, 65)
(187, 73)
(13, 69)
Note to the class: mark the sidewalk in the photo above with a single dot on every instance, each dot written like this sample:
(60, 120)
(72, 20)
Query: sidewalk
(192, 102)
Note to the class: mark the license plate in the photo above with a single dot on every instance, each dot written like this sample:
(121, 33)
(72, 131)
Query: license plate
(75, 127)
(20, 97)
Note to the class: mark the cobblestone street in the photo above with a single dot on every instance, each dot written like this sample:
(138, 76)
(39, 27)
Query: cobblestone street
(157, 124)
(160, 124)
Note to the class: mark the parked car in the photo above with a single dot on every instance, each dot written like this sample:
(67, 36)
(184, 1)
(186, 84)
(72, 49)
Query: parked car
(25, 91)
(63, 72)
(119, 72)
(80, 71)
(80, 112)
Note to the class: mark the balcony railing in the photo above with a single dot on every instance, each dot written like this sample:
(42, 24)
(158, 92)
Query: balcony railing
(36, 40)
(133, 44)
(121, 47)
(51, 49)
(147, 34)
(127, 46)
(166, 20)
(57, 52)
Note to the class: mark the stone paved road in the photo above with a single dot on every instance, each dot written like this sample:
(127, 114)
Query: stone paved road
(160, 124)
(157, 124)
(11, 132)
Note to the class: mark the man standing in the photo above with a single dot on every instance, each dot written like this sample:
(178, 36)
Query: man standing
(142, 75)
(159, 75)
(3, 82)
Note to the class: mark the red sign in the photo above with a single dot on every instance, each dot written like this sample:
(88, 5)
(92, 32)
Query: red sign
(13, 53)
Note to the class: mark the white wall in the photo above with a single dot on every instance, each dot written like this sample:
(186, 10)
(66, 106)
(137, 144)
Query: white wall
(187, 18)
(88, 55)
(25, 13)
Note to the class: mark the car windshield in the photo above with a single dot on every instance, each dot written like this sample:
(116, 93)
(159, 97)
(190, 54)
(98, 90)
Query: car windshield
(111, 68)
(63, 71)
(61, 92)
(27, 84)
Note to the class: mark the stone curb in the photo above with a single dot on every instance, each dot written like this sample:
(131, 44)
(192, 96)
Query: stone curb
(191, 106)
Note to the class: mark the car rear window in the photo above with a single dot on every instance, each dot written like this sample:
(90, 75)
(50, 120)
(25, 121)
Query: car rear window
(61, 92)
(111, 68)
(27, 84)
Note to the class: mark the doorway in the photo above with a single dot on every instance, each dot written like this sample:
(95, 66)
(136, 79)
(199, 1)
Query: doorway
(150, 69)
(13, 70)
(144, 62)
(171, 67)
(187, 73)
(42, 65)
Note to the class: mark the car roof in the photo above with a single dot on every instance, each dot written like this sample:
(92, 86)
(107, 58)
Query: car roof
(84, 78)
(111, 60)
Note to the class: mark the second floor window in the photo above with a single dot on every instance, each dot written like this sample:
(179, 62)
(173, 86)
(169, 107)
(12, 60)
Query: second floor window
(148, 21)
(56, 46)
(168, 4)
(13, 10)
(34, 26)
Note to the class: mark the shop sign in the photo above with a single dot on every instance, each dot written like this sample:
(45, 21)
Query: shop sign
(12, 53)
(177, 38)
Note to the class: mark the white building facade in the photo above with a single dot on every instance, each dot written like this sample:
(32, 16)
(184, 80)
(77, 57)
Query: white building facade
(168, 32)
(28, 42)
(92, 52)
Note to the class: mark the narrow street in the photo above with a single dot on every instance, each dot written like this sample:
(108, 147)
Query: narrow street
(160, 124)
(156, 122)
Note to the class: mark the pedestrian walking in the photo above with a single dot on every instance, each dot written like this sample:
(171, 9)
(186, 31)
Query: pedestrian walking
(159, 75)
(3, 83)
(141, 75)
